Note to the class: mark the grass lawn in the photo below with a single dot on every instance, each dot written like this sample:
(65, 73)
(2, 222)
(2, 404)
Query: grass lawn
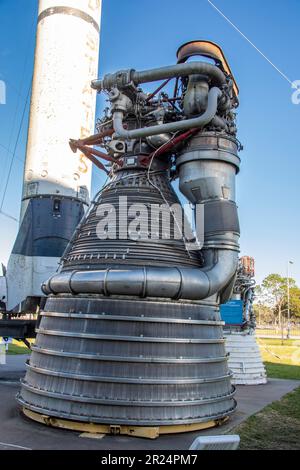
(278, 352)
(18, 347)
(277, 426)
(282, 371)
(282, 361)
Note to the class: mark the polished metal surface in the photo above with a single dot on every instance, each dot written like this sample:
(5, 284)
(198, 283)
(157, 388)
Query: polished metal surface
(172, 283)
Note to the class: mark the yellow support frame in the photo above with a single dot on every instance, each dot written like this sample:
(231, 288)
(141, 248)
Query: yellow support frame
(149, 432)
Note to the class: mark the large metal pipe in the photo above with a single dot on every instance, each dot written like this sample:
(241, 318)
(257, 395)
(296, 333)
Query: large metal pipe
(213, 95)
(124, 77)
(173, 283)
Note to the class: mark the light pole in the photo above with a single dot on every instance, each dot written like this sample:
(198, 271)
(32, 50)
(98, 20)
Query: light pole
(288, 299)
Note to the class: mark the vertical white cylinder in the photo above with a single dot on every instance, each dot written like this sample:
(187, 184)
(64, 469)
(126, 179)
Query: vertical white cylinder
(62, 103)
(56, 181)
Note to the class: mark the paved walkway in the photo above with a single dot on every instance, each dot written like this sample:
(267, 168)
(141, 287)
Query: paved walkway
(18, 432)
(14, 368)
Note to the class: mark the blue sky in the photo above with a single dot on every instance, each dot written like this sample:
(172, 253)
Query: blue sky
(146, 33)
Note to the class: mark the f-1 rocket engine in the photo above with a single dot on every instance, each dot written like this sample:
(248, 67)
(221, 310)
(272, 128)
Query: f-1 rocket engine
(131, 331)
(244, 358)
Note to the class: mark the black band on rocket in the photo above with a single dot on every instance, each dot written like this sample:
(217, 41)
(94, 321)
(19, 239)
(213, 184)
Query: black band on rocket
(69, 11)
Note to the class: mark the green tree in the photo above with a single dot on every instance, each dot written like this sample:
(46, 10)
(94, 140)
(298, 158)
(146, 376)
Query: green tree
(272, 293)
(294, 302)
(263, 313)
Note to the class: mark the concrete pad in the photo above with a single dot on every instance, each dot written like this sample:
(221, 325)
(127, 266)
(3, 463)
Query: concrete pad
(14, 368)
(17, 431)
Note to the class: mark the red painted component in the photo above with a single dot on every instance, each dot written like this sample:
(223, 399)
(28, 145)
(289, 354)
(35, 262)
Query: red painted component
(88, 154)
(92, 153)
(96, 139)
(158, 89)
(173, 142)
(248, 265)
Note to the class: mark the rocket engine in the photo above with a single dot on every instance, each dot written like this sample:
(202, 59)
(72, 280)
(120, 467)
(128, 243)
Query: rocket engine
(244, 359)
(131, 331)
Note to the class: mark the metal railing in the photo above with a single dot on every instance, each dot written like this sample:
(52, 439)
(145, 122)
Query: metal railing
(283, 331)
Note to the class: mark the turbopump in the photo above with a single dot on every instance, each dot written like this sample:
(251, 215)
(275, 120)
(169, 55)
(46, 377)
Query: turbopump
(131, 332)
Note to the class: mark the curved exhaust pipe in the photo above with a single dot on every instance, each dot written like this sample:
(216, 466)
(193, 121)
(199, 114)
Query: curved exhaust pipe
(172, 283)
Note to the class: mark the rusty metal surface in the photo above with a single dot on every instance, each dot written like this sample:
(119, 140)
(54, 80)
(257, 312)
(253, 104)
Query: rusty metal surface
(208, 49)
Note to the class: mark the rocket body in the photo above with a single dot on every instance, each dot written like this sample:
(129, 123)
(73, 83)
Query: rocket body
(56, 182)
